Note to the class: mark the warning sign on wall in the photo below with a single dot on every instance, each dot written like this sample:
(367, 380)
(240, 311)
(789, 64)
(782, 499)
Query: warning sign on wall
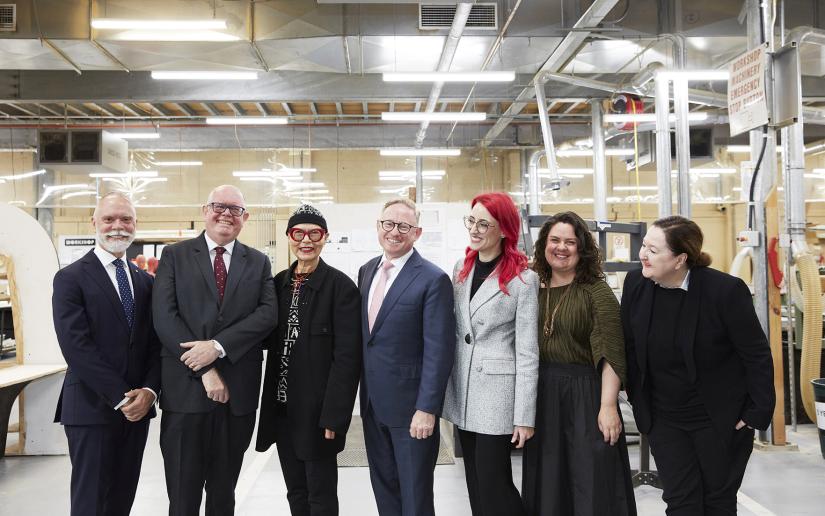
(747, 103)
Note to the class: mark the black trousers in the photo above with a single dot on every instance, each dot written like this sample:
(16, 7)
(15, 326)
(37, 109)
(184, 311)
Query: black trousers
(203, 450)
(311, 485)
(700, 475)
(489, 474)
(106, 462)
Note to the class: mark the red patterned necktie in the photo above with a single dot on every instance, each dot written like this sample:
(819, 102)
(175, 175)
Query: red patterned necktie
(220, 272)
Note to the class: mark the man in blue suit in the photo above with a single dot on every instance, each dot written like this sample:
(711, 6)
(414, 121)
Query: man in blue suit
(103, 321)
(409, 347)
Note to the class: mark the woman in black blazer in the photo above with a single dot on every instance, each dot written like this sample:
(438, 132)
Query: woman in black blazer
(700, 373)
(312, 369)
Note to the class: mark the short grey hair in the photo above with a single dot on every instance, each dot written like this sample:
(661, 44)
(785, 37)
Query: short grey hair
(406, 202)
(117, 194)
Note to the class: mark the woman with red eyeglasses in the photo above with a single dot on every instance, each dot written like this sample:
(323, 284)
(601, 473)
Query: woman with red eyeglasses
(312, 369)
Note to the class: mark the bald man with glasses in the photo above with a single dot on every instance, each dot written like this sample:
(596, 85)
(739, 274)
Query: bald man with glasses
(214, 305)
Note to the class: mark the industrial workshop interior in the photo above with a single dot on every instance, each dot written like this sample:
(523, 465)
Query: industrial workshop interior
(627, 138)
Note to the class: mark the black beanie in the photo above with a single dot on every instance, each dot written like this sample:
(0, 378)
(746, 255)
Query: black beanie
(306, 214)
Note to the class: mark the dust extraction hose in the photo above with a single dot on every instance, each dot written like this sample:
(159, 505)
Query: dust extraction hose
(811, 329)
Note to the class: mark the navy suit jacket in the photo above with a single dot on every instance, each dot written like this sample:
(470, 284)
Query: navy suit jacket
(409, 354)
(106, 359)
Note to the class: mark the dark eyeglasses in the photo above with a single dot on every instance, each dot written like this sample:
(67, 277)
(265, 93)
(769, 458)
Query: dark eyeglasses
(235, 211)
(388, 225)
(297, 234)
(482, 225)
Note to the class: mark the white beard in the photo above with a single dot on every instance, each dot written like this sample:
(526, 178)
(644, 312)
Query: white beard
(115, 246)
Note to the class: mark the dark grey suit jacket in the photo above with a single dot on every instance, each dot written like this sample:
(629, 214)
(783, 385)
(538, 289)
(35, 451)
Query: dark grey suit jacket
(186, 308)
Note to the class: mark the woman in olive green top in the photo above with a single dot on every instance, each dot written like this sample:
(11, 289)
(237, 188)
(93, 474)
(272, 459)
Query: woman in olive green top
(577, 461)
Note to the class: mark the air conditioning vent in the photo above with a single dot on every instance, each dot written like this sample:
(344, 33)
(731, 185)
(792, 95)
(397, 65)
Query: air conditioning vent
(440, 16)
(8, 17)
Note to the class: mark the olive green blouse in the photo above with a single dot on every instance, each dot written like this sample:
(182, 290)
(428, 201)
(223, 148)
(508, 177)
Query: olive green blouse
(587, 327)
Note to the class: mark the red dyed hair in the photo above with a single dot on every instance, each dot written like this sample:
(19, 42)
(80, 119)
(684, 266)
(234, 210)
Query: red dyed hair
(512, 261)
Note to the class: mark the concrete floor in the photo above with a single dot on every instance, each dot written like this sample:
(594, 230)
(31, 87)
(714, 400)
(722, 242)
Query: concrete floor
(777, 483)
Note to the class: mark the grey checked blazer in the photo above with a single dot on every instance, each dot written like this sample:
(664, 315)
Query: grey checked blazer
(493, 384)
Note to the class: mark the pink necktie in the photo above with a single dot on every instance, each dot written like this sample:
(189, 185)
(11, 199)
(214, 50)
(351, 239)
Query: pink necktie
(378, 294)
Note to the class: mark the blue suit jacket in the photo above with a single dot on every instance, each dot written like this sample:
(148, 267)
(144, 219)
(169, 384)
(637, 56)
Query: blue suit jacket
(105, 358)
(409, 354)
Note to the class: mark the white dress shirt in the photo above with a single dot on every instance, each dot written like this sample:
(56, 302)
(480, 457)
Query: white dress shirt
(683, 286)
(227, 255)
(398, 264)
(106, 258)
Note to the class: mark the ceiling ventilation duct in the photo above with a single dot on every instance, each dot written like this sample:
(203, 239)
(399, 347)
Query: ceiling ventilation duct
(435, 16)
(8, 17)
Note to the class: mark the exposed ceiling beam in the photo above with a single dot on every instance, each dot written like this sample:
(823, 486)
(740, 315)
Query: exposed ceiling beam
(22, 109)
(236, 109)
(571, 107)
(365, 109)
(339, 109)
(418, 106)
(80, 110)
(210, 108)
(285, 106)
(313, 109)
(161, 110)
(392, 106)
(48, 110)
(262, 108)
(129, 110)
(186, 109)
(103, 109)
(566, 49)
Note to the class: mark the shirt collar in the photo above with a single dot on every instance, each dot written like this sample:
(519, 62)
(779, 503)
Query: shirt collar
(399, 262)
(211, 244)
(683, 286)
(106, 258)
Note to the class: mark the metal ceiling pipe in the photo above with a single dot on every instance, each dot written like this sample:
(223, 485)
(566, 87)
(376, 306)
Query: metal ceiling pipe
(533, 185)
(639, 82)
(462, 12)
(663, 167)
(795, 190)
(599, 162)
(556, 181)
(681, 109)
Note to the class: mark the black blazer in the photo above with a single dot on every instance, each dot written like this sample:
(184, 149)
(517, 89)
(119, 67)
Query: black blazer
(324, 367)
(106, 359)
(726, 351)
(186, 308)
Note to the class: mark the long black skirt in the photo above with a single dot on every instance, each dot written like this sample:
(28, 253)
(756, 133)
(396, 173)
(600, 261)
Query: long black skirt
(568, 469)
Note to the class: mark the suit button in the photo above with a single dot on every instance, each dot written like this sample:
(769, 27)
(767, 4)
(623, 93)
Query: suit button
(467, 338)
(220, 318)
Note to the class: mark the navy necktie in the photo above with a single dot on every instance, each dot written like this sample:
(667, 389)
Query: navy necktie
(125, 292)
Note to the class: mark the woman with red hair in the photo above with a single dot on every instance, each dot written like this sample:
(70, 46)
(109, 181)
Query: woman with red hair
(491, 394)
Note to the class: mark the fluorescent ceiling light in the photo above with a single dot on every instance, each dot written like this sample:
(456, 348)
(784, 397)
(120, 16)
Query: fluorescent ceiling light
(164, 25)
(293, 185)
(695, 75)
(125, 175)
(420, 152)
(406, 175)
(290, 169)
(78, 194)
(649, 117)
(277, 174)
(58, 188)
(24, 175)
(567, 171)
(470, 116)
(394, 191)
(449, 76)
(205, 76)
(179, 163)
(634, 188)
(570, 153)
(167, 35)
(137, 136)
(246, 120)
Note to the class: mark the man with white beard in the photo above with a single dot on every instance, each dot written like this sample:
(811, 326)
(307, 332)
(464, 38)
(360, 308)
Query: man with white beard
(103, 321)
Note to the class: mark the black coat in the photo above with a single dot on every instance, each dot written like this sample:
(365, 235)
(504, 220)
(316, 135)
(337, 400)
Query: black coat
(186, 308)
(726, 352)
(324, 367)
